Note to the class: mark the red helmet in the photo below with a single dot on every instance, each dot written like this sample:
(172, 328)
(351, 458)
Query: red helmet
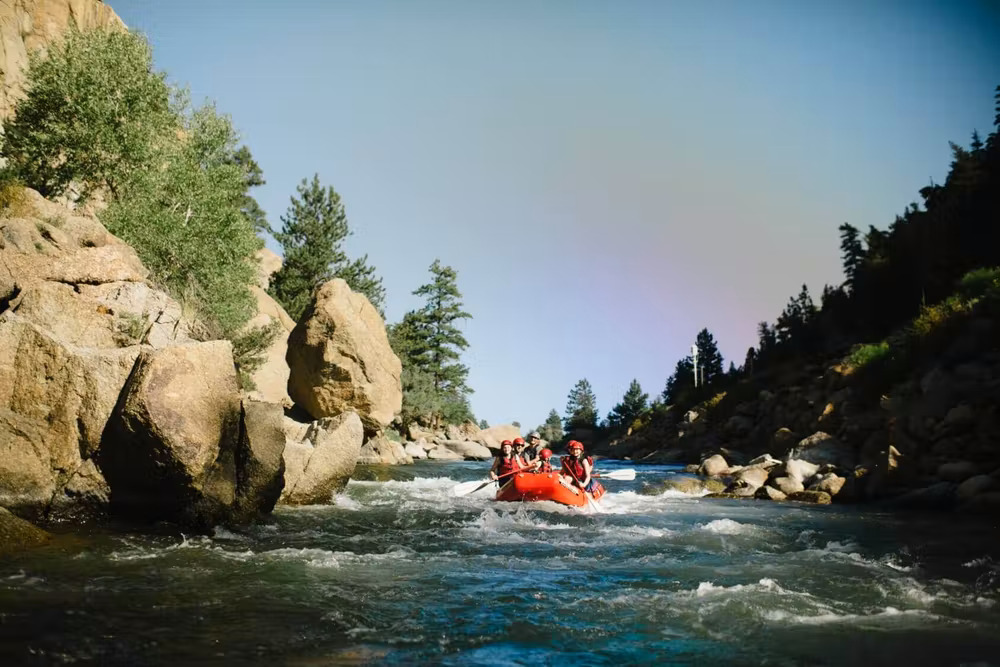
(574, 444)
(505, 442)
(518, 441)
(545, 453)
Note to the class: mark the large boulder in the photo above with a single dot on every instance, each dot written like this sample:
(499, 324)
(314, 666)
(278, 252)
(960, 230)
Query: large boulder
(713, 466)
(270, 380)
(17, 534)
(380, 450)
(470, 451)
(260, 464)
(414, 451)
(492, 437)
(169, 449)
(55, 400)
(821, 448)
(322, 463)
(340, 359)
(268, 263)
(442, 453)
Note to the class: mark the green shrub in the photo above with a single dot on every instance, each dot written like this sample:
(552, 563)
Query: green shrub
(865, 354)
(94, 113)
(14, 202)
(979, 283)
(129, 329)
(249, 348)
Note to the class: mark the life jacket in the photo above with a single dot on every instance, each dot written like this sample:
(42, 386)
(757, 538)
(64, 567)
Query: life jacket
(509, 465)
(545, 466)
(575, 466)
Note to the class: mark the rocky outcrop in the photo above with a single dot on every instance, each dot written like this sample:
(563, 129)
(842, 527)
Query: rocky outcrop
(493, 436)
(29, 25)
(383, 451)
(340, 359)
(320, 462)
(174, 446)
(271, 378)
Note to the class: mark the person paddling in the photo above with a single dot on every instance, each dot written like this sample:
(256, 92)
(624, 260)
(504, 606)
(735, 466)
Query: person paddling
(519, 451)
(534, 440)
(576, 469)
(505, 463)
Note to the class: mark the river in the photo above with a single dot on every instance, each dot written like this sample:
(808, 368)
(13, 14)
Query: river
(400, 572)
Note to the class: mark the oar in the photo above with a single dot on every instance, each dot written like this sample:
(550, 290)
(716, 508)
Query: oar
(467, 488)
(590, 499)
(626, 475)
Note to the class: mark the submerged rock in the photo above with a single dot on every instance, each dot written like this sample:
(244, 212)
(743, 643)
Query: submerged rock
(17, 534)
(816, 497)
(381, 450)
(322, 463)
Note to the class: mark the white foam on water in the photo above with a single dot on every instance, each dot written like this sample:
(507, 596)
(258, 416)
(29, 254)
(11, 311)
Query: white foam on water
(707, 588)
(781, 616)
(727, 527)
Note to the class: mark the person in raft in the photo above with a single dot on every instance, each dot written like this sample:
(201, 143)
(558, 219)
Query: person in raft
(505, 463)
(531, 451)
(519, 451)
(544, 461)
(576, 469)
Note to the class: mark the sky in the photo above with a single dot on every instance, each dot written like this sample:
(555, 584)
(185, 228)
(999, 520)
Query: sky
(607, 178)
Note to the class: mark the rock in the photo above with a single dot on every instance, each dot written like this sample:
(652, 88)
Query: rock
(683, 484)
(470, 451)
(713, 466)
(54, 403)
(940, 496)
(260, 465)
(692, 468)
(17, 534)
(797, 469)
(691, 416)
(268, 263)
(787, 485)
(271, 378)
(784, 439)
(765, 461)
(26, 27)
(987, 504)
(725, 495)
(739, 425)
(383, 451)
(136, 306)
(752, 477)
(817, 497)
(741, 489)
(322, 463)
(822, 447)
(340, 360)
(169, 449)
(414, 451)
(492, 437)
(465, 431)
(956, 471)
(442, 453)
(769, 493)
(829, 483)
(974, 486)
(959, 417)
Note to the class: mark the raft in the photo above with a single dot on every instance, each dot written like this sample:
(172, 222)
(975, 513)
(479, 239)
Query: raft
(533, 486)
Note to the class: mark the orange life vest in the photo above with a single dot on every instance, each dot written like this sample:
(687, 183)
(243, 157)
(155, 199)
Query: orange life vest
(545, 467)
(575, 466)
(508, 465)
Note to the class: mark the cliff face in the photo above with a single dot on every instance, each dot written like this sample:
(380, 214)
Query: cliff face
(29, 25)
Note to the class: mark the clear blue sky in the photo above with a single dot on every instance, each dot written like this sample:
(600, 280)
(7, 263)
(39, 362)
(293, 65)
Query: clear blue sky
(606, 177)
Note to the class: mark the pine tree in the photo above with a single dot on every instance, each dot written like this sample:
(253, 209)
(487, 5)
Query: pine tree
(709, 358)
(429, 345)
(750, 361)
(253, 177)
(552, 429)
(633, 404)
(312, 231)
(680, 380)
(852, 252)
(581, 407)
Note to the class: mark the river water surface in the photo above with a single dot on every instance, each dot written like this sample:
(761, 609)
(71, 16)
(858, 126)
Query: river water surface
(400, 572)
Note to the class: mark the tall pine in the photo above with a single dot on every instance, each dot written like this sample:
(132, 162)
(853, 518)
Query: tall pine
(312, 232)
(552, 429)
(709, 358)
(581, 407)
(633, 404)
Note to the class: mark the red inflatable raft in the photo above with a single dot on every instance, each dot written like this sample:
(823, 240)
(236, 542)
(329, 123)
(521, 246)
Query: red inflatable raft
(532, 486)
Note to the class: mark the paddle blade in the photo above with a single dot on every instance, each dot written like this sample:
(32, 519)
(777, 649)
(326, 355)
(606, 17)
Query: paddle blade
(465, 488)
(626, 475)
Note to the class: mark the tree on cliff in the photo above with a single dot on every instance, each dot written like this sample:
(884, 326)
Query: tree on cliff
(681, 379)
(552, 429)
(429, 345)
(581, 407)
(633, 404)
(312, 231)
(710, 361)
(95, 113)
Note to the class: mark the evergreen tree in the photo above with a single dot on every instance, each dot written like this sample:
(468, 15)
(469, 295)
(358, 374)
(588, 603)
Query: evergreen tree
(633, 404)
(709, 358)
(312, 231)
(750, 361)
(852, 252)
(581, 407)
(483, 424)
(552, 429)
(680, 380)
(253, 177)
(429, 345)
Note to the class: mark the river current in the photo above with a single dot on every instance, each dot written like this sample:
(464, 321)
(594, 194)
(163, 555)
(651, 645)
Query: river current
(401, 572)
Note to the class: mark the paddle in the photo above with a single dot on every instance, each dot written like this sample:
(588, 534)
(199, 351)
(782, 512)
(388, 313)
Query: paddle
(626, 475)
(590, 499)
(467, 488)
